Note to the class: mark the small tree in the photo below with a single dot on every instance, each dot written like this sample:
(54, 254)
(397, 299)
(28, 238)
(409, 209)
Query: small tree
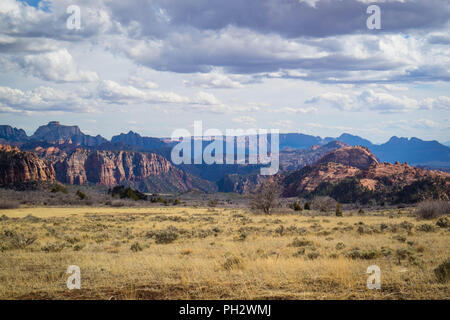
(338, 210)
(266, 197)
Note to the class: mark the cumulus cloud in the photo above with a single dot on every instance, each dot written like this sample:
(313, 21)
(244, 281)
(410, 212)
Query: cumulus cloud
(43, 99)
(114, 92)
(58, 66)
(381, 102)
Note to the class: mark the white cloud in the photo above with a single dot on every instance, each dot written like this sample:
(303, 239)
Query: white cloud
(43, 99)
(58, 66)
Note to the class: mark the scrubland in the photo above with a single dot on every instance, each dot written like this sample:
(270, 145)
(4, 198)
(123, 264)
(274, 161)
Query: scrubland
(220, 253)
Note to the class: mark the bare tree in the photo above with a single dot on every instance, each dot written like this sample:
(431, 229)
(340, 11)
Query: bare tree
(266, 197)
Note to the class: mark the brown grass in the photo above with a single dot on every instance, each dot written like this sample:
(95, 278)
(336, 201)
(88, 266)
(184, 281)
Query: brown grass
(217, 254)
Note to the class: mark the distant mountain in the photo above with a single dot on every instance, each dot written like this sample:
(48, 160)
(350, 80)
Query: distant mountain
(10, 134)
(413, 151)
(134, 139)
(354, 140)
(54, 132)
(298, 141)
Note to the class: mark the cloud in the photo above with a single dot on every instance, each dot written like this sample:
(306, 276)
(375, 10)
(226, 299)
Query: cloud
(142, 83)
(113, 92)
(58, 66)
(246, 120)
(214, 80)
(381, 102)
(43, 99)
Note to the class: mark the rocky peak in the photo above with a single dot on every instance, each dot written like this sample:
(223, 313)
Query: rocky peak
(54, 132)
(358, 157)
(11, 134)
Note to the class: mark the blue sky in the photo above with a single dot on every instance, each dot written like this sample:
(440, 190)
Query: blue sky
(153, 66)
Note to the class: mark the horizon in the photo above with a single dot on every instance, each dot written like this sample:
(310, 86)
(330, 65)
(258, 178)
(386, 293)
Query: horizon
(29, 134)
(161, 66)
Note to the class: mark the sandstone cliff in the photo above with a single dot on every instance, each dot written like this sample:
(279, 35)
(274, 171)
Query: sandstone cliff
(18, 167)
(358, 163)
(148, 172)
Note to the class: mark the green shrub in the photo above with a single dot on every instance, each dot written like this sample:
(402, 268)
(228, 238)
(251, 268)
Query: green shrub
(82, 195)
(307, 206)
(59, 188)
(166, 236)
(338, 210)
(442, 272)
(135, 247)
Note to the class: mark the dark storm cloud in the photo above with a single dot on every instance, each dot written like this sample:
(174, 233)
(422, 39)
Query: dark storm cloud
(293, 18)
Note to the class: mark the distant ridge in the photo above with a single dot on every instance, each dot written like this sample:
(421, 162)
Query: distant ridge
(429, 154)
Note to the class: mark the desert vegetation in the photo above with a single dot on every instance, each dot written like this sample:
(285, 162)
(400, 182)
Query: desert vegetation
(170, 252)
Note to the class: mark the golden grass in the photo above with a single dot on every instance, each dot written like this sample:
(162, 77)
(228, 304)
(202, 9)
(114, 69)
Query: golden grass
(219, 254)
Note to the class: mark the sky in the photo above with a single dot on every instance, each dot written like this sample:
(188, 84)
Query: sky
(154, 66)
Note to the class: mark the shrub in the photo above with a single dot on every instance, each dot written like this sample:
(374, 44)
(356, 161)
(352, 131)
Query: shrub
(9, 204)
(135, 247)
(443, 222)
(232, 263)
(127, 193)
(300, 243)
(313, 255)
(307, 206)
(432, 209)
(323, 204)
(442, 272)
(297, 206)
(166, 236)
(213, 203)
(360, 211)
(82, 195)
(266, 197)
(425, 228)
(59, 188)
(338, 210)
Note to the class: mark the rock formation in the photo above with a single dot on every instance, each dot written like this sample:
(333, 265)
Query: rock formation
(18, 167)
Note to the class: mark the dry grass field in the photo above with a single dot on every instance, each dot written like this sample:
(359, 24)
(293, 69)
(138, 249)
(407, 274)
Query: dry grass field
(217, 253)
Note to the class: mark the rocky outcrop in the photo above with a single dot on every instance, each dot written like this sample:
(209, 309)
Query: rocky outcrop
(358, 157)
(54, 132)
(17, 167)
(10, 134)
(291, 160)
(148, 172)
(360, 164)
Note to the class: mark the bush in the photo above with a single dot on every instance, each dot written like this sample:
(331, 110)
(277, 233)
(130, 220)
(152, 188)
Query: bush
(338, 210)
(166, 236)
(9, 204)
(265, 199)
(135, 247)
(442, 272)
(443, 222)
(432, 209)
(323, 204)
(82, 195)
(307, 206)
(127, 193)
(59, 188)
(297, 206)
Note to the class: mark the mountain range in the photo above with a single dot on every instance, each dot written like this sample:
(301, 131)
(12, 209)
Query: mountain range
(142, 162)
